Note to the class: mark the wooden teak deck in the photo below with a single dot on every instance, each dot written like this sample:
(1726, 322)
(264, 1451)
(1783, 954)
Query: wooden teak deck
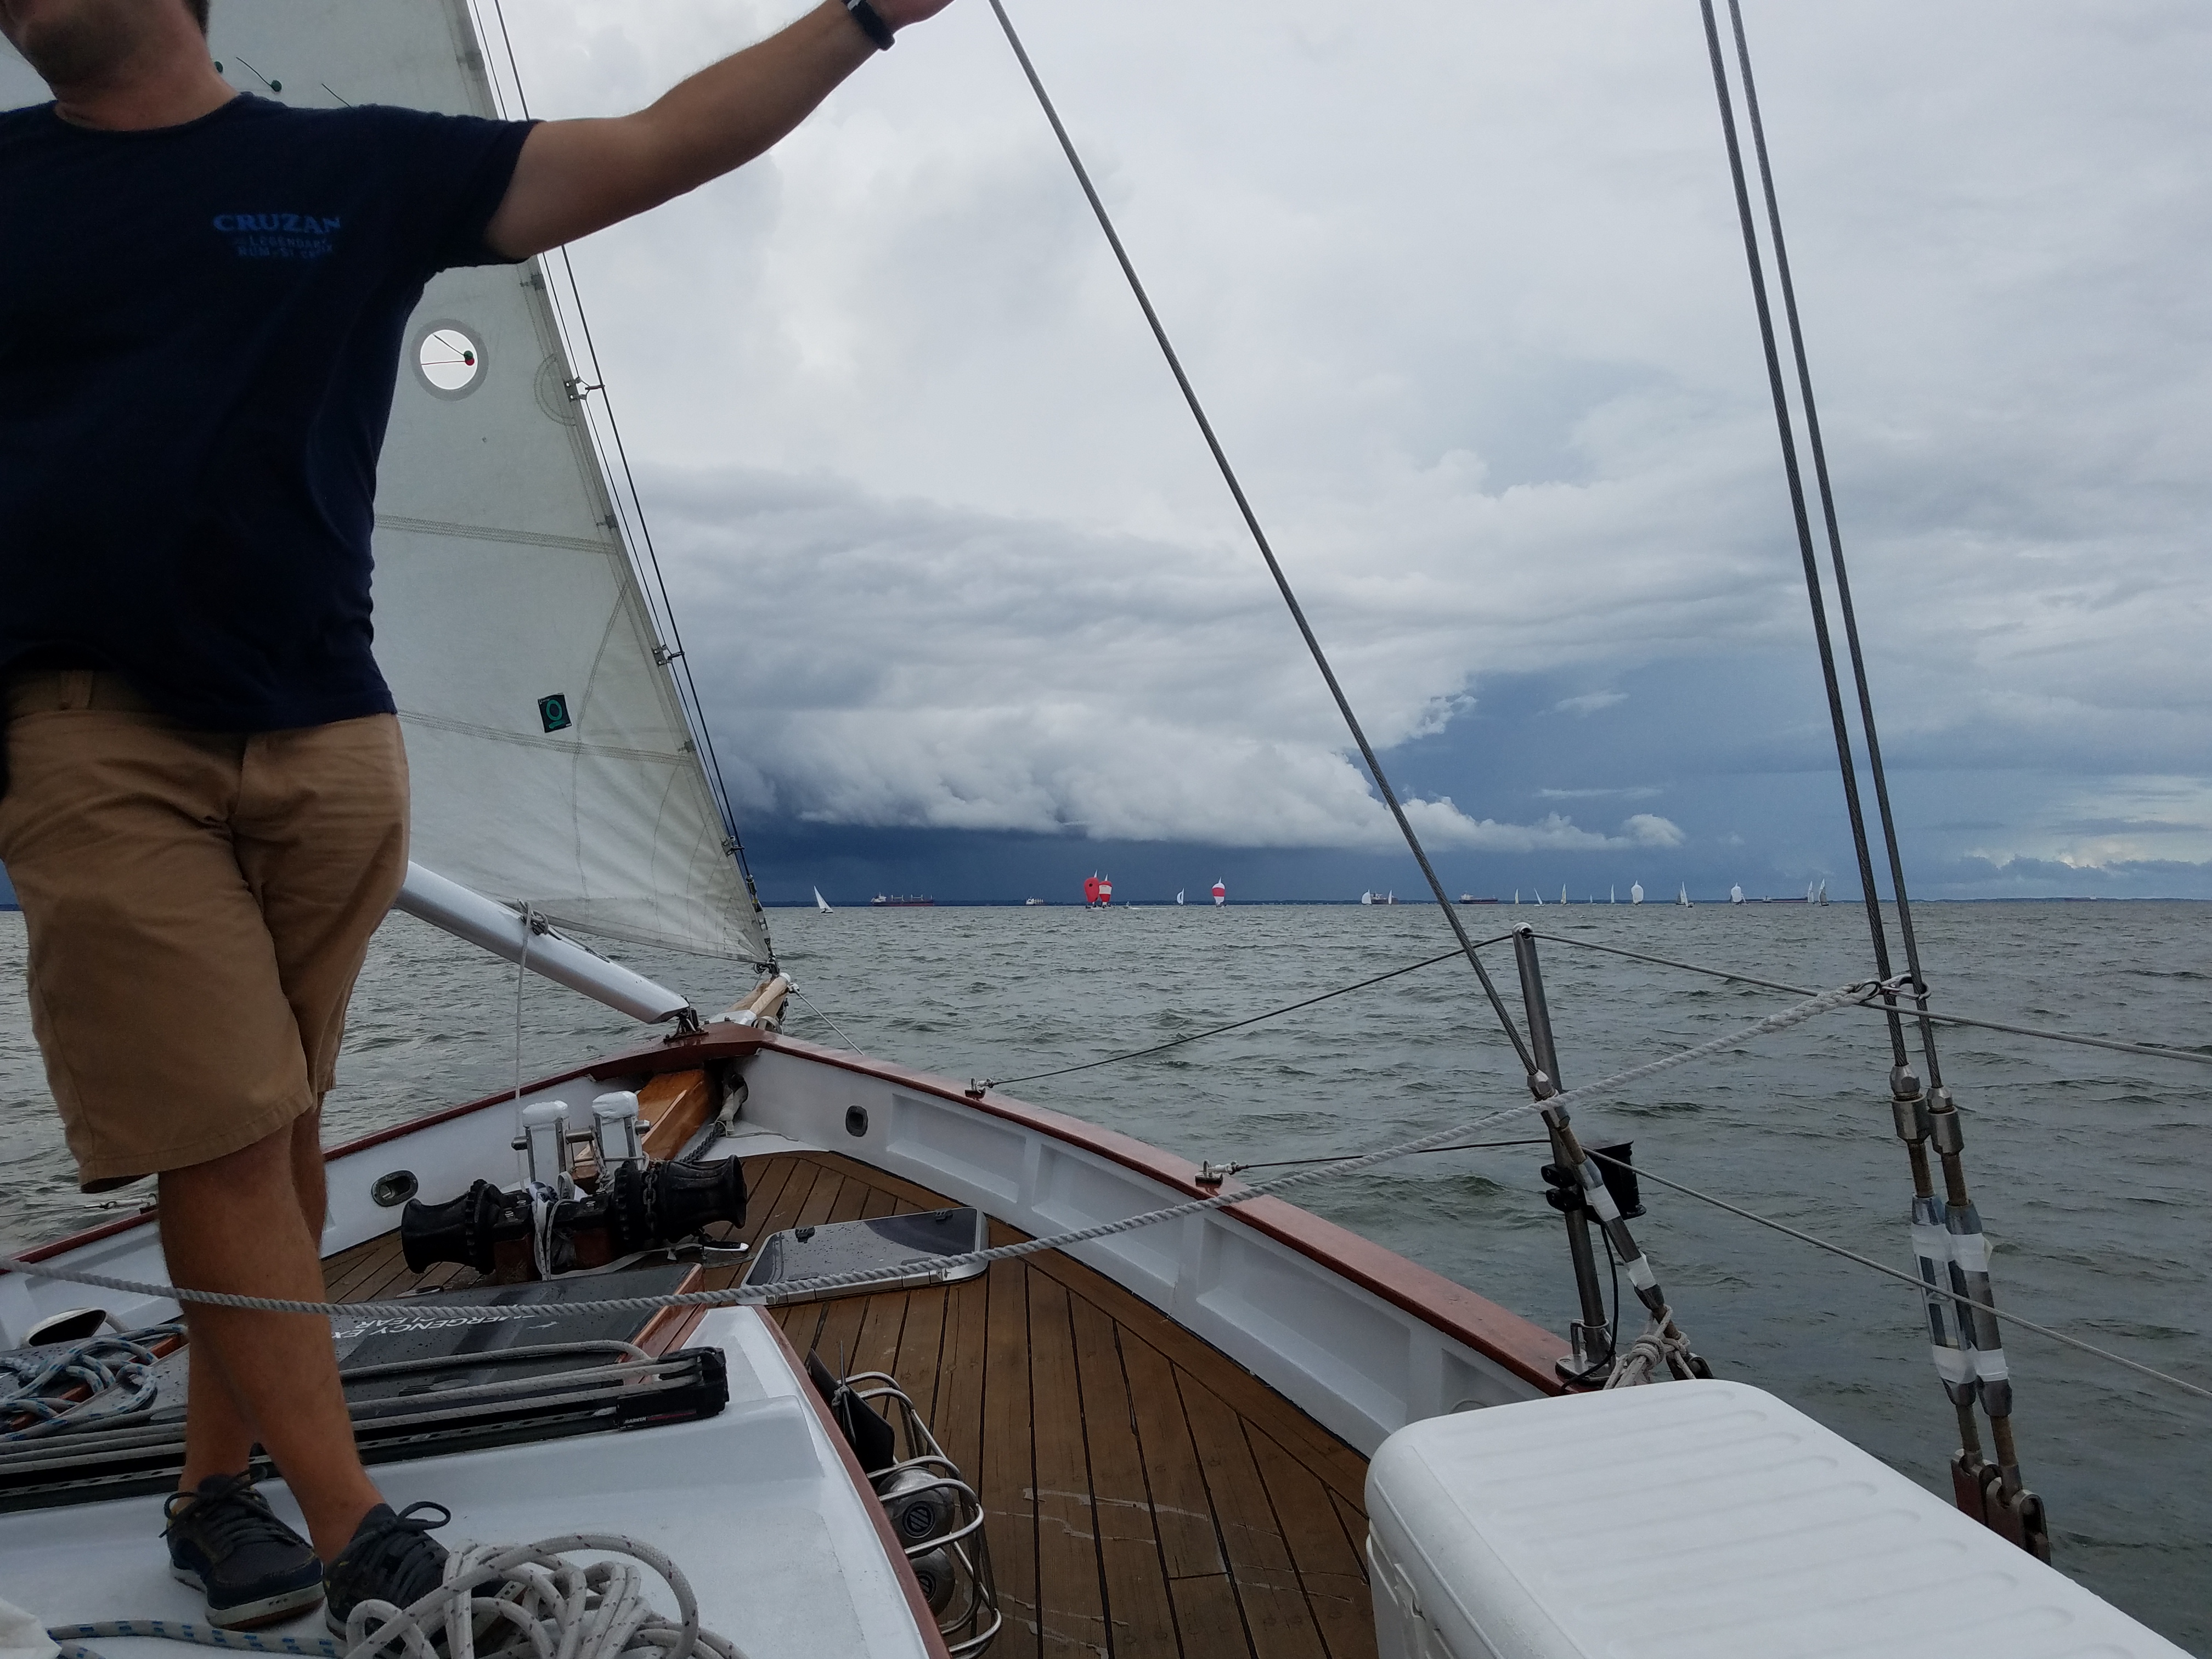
(1146, 1495)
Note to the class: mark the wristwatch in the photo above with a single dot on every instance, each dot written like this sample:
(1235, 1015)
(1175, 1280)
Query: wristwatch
(871, 23)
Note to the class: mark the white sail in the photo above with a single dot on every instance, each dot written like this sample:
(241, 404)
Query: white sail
(1179, 893)
(1636, 892)
(1736, 894)
(501, 575)
(821, 903)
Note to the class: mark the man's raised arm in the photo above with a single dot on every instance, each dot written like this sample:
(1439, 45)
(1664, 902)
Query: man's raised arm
(575, 177)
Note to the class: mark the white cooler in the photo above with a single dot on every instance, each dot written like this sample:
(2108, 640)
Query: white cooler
(1695, 1519)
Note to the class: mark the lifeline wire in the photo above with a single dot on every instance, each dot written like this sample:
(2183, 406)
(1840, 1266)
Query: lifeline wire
(1260, 538)
(1238, 1024)
(2156, 1051)
(417, 1315)
(1642, 1172)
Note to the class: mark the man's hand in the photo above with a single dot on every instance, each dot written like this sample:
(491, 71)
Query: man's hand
(575, 177)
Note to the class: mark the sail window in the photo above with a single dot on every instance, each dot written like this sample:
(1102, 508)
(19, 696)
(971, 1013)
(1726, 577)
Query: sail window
(449, 360)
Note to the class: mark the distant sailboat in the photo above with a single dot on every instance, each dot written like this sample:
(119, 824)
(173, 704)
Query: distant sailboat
(1367, 898)
(1736, 894)
(1563, 892)
(1682, 898)
(1808, 892)
(821, 903)
(1179, 892)
(1823, 899)
(1220, 894)
(1636, 892)
(1613, 896)
(1097, 892)
(1540, 900)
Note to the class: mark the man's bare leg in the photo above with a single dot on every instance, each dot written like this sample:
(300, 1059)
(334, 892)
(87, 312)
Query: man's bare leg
(251, 1224)
(219, 1435)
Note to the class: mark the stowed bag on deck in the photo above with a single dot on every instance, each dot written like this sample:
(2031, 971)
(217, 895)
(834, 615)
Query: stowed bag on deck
(552, 1224)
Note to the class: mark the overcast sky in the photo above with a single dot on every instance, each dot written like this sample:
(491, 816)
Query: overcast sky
(1463, 287)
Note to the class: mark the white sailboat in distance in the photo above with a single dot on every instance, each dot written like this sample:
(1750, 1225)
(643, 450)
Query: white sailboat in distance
(1636, 892)
(821, 903)
(1736, 894)
(1682, 898)
(1179, 893)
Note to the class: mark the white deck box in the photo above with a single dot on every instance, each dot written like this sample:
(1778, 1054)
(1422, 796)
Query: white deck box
(1690, 1520)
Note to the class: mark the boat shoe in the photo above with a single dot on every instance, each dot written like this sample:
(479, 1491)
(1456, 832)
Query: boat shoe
(225, 1542)
(391, 1557)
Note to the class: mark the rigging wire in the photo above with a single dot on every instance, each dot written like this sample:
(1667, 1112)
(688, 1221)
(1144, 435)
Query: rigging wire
(678, 659)
(1466, 945)
(1876, 772)
(1644, 1173)
(2154, 1050)
(1337, 1157)
(795, 991)
(415, 1313)
(1238, 1024)
(1808, 557)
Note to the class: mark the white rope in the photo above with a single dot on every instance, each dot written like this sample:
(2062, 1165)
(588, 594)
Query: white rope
(415, 1314)
(550, 1607)
(1661, 1348)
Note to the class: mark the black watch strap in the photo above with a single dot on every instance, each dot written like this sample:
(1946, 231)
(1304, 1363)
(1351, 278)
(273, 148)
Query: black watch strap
(871, 23)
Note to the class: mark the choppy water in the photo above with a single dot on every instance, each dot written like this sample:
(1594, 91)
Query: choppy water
(2089, 1167)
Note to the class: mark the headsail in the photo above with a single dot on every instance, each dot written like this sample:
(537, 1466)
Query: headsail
(552, 760)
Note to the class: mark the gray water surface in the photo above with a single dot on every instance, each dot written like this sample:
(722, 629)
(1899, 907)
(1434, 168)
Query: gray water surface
(2087, 1166)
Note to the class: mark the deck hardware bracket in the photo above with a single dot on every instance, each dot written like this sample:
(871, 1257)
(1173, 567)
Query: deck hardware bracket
(978, 1087)
(390, 1191)
(1211, 1174)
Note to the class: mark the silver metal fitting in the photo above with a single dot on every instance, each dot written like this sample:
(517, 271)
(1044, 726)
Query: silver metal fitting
(1944, 1125)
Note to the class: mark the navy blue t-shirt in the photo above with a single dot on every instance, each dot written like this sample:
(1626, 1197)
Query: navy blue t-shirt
(200, 330)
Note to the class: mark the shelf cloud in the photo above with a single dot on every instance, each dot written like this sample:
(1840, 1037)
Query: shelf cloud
(1473, 321)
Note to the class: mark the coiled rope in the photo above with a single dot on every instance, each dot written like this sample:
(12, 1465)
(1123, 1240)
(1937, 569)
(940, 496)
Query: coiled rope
(53, 1390)
(417, 1315)
(552, 1608)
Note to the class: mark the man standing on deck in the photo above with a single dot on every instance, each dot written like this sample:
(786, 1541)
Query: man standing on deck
(203, 807)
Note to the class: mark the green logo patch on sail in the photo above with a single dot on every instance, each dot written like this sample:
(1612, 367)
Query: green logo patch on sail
(554, 711)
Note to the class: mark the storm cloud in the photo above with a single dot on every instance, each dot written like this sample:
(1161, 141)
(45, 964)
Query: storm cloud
(1463, 288)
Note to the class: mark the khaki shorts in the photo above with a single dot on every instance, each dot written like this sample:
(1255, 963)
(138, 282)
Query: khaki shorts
(198, 905)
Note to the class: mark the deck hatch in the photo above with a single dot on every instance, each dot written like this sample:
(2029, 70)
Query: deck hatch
(920, 1243)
